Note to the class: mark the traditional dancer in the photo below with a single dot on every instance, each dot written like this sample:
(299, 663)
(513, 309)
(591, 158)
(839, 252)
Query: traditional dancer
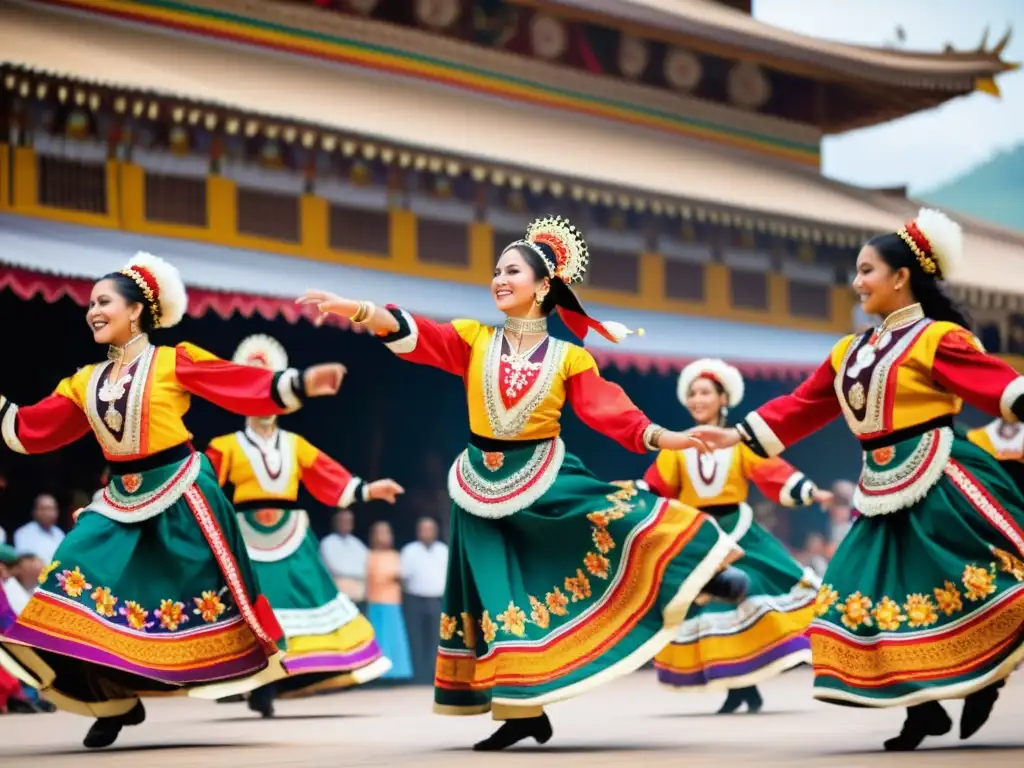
(151, 591)
(556, 581)
(724, 647)
(330, 644)
(1005, 441)
(924, 598)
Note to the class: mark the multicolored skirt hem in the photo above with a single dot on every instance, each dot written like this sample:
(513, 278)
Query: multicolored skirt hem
(926, 603)
(721, 647)
(584, 585)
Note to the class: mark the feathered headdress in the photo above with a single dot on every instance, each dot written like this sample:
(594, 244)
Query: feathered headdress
(562, 249)
(162, 286)
(936, 240)
(719, 371)
(262, 351)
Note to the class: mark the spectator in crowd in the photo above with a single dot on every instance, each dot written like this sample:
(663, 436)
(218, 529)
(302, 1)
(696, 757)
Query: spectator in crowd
(17, 595)
(815, 553)
(27, 571)
(384, 601)
(424, 570)
(41, 535)
(840, 512)
(345, 557)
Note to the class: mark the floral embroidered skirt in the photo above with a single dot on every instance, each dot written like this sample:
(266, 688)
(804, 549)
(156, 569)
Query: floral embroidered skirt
(151, 592)
(926, 602)
(330, 644)
(586, 582)
(721, 646)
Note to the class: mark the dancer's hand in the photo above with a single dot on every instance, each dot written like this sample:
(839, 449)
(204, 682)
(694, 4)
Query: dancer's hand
(328, 303)
(384, 489)
(323, 379)
(680, 441)
(715, 438)
(825, 498)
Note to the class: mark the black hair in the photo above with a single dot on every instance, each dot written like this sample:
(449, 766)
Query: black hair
(927, 289)
(560, 295)
(130, 292)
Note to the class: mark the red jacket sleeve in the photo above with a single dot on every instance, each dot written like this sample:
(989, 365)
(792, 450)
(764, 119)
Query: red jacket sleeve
(242, 389)
(604, 407)
(46, 426)
(663, 476)
(983, 380)
(327, 480)
(781, 482)
(428, 342)
(783, 421)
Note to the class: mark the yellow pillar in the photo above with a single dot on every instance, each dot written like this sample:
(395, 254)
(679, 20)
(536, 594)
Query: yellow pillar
(718, 285)
(114, 192)
(222, 209)
(26, 178)
(133, 197)
(481, 251)
(5, 176)
(313, 226)
(404, 245)
(843, 301)
(778, 299)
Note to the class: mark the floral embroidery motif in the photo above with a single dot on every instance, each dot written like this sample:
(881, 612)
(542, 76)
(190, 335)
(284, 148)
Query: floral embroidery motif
(883, 456)
(826, 598)
(597, 565)
(494, 460)
(73, 582)
(171, 614)
(948, 598)
(468, 632)
(602, 540)
(135, 615)
(105, 602)
(513, 620)
(1009, 563)
(920, 611)
(539, 614)
(209, 606)
(578, 586)
(556, 602)
(887, 614)
(517, 375)
(448, 626)
(488, 627)
(979, 582)
(45, 573)
(855, 610)
(131, 483)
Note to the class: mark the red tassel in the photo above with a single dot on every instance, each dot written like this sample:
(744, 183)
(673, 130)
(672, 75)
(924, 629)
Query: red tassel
(580, 324)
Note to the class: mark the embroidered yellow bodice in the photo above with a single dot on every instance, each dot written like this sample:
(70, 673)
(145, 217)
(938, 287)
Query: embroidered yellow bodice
(262, 469)
(517, 397)
(1000, 439)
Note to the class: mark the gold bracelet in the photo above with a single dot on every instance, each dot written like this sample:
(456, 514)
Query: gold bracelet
(652, 434)
(363, 313)
(368, 314)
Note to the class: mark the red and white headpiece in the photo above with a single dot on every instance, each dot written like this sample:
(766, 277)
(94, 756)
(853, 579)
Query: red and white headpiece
(936, 240)
(261, 351)
(162, 286)
(562, 249)
(727, 376)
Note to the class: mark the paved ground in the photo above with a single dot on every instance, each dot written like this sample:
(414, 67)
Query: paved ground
(630, 721)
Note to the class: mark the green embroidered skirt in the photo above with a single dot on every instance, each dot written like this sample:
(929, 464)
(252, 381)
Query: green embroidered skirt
(330, 644)
(924, 599)
(721, 646)
(151, 592)
(558, 581)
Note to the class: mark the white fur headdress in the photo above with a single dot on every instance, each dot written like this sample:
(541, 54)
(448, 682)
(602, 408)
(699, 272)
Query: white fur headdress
(263, 351)
(936, 240)
(162, 286)
(726, 375)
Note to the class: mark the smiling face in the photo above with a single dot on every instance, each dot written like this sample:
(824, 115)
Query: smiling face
(704, 401)
(876, 283)
(515, 285)
(110, 315)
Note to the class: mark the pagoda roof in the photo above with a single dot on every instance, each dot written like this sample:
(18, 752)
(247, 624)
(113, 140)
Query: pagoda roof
(734, 32)
(631, 167)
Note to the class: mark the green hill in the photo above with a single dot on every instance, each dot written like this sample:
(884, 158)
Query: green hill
(993, 191)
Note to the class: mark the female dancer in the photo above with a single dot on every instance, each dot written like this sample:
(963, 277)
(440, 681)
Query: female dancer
(924, 598)
(330, 644)
(151, 591)
(556, 581)
(735, 647)
(1005, 441)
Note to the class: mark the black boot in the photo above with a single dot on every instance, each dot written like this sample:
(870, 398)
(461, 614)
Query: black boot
(262, 700)
(753, 698)
(512, 731)
(729, 585)
(105, 730)
(977, 708)
(928, 719)
(732, 702)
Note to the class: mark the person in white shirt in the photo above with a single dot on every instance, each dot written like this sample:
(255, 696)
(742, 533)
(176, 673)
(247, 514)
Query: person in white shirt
(344, 555)
(17, 595)
(42, 535)
(424, 571)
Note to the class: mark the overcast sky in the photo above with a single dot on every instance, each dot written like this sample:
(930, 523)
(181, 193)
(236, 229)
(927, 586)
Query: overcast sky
(931, 147)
